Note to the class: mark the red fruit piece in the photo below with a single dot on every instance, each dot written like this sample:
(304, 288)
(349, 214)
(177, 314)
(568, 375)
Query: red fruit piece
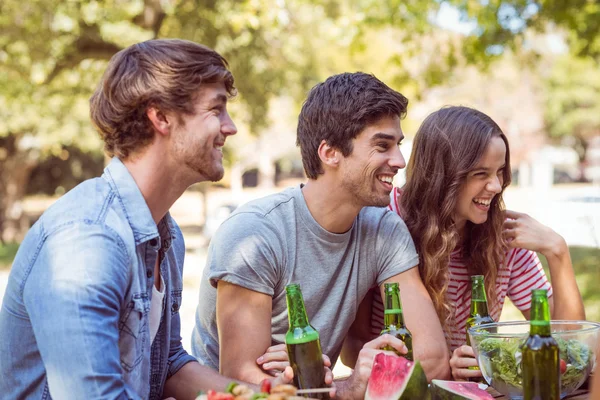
(265, 386)
(563, 366)
(212, 395)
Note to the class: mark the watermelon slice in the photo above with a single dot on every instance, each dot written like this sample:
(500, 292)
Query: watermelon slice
(452, 390)
(394, 377)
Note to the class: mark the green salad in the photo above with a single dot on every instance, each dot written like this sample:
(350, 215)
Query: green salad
(504, 361)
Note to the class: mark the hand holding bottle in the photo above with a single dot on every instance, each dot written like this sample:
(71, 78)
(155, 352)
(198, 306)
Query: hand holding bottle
(275, 360)
(462, 363)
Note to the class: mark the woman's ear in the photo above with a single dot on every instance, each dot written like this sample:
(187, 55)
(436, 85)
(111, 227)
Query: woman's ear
(330, 156)
(159, 120)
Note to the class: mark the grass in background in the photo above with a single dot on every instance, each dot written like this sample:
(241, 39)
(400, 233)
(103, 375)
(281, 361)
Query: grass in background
(7, 254)
(586, 263)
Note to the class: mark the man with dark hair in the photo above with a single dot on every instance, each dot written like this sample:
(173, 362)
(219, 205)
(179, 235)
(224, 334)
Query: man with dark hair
(325, 235)
(92, 304)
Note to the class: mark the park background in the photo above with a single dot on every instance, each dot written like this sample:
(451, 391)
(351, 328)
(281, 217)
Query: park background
(532, 65)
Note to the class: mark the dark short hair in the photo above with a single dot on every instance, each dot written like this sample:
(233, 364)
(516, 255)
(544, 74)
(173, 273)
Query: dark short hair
(164, 73)
(338, 110)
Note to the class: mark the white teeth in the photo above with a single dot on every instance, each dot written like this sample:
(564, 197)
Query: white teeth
(483, 202)
(386, 179)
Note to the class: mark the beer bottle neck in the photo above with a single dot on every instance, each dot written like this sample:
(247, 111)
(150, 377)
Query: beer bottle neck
(478, 298)
(296, 311)
(540, 315)
(393, 307)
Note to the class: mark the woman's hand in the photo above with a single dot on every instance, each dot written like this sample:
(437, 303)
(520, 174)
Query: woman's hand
(522, 231)
(356, 386)
(462, 358)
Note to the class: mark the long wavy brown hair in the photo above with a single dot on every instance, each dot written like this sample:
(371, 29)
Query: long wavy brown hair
(447, 146)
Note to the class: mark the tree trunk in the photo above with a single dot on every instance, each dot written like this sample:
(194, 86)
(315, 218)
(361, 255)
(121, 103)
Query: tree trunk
(15, 171)
(581, 147)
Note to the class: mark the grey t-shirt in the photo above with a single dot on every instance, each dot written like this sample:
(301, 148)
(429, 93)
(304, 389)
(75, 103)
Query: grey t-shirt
(274, 241)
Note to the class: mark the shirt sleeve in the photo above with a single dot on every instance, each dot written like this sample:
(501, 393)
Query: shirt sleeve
(526, 274)
(395, 247)
(73, 297)
(247, 251)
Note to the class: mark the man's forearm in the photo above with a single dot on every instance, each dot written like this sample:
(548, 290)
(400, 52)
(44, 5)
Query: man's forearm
(193, 378)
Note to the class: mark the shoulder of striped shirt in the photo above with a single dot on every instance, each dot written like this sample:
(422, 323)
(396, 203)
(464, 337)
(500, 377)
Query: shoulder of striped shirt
(394, 201)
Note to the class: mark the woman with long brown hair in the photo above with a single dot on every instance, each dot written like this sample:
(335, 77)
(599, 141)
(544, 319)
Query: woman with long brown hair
(452, 204)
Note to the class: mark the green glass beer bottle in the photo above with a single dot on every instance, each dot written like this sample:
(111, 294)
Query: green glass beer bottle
(303, 344)
(540, 361)
(479, 307)
(394, 320)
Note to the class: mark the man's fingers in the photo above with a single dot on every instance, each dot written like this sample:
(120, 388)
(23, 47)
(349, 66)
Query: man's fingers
(277, 348)
(326, 360)
(274, 353)
(328, 376)
(385, 340)
(286, 377)
(275, 366)
(270, 357)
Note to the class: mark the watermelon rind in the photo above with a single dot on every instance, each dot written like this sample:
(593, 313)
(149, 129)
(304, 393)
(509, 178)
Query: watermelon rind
(441, 390)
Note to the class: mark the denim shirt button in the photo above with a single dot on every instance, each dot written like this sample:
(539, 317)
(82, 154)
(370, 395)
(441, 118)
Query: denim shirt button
(149, 273)
(175, 307)
(153, 242)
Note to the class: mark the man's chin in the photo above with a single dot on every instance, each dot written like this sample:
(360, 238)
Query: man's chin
(217, 176)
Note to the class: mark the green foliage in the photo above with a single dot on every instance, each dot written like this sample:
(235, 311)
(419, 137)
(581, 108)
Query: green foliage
(572, 106)
(7, 254)
(503, 24)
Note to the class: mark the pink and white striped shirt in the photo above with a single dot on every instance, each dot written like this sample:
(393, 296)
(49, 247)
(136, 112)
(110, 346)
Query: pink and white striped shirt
(520, 272)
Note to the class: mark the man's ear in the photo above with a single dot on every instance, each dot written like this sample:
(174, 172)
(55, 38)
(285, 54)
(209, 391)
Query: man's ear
(161, 123)
(330, 156)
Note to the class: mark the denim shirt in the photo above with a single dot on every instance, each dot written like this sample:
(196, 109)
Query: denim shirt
(74, 319)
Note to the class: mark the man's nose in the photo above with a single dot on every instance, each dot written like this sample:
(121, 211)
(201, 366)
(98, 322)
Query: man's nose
(397, 161)
(228, 127)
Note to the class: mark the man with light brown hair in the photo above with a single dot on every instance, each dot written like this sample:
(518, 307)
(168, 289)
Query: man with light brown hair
(92, 305)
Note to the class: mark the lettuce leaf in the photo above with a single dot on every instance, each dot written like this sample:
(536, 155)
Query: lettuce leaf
(504, 361)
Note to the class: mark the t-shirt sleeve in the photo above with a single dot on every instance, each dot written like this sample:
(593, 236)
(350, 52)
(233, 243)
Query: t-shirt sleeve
(247, 251)
(395, 247)
(526, 273)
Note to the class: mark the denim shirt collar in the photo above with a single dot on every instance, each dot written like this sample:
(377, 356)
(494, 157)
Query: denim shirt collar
(140, 218)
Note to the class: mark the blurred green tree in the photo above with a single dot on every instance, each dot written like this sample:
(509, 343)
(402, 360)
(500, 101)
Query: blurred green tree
(572, 108)
(52, 54)
(503, 24)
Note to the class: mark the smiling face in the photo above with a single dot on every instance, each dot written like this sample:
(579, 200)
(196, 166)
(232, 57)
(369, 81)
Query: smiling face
(199, 138)
(375, 159)
(482, 184)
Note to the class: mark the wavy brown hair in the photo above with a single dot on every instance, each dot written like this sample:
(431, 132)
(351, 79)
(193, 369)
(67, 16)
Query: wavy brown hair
(447, 146)
(164, 73)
